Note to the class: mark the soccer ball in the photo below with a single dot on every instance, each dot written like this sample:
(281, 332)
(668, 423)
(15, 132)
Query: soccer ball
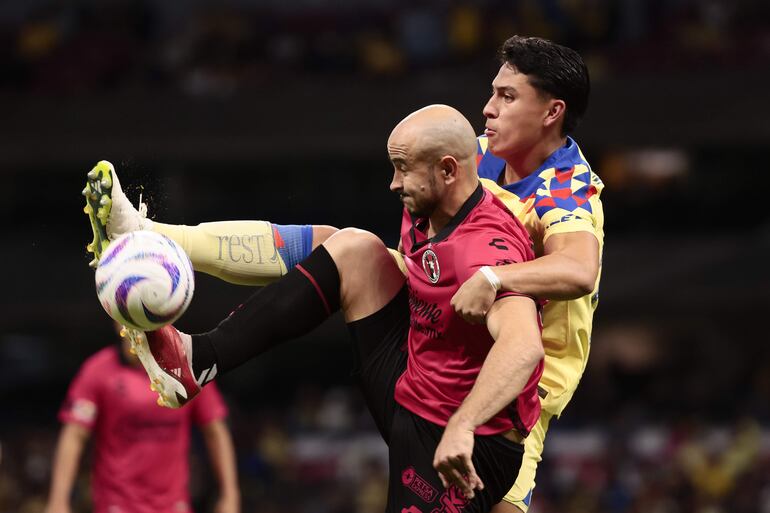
(144, 280)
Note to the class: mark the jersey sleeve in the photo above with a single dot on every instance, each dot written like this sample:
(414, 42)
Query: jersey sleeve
(208, 406)
(568, 201)
(81, 405)
(493, 247)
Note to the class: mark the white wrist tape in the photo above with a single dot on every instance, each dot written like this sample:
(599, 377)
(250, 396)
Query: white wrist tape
(491, 277)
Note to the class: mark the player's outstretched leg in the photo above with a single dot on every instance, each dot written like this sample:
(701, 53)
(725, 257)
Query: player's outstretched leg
(241, 252)
(352, 271)
(109, 211)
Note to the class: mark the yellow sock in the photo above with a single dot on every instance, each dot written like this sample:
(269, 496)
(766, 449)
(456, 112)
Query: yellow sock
(240, 252)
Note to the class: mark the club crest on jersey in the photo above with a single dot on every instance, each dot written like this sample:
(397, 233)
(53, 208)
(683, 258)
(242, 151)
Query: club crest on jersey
(430, 265)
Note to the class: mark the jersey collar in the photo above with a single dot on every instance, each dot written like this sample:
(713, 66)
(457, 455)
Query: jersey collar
(446, 231)
(493, 167)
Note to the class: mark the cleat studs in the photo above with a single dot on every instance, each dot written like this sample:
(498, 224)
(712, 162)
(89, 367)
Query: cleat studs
(85, 191)
(90, 247)
(105, 201)
(153, 387)
(124, 333)
(93, 174)
(132, 351)
(87, 209)
(105, 182)
(93, 263)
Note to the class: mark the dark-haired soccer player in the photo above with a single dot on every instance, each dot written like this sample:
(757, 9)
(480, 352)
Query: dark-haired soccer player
(528, 160)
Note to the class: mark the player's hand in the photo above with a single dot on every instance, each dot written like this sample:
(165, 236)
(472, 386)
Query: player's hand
(474, 298)
(453, 460)
(228, 503)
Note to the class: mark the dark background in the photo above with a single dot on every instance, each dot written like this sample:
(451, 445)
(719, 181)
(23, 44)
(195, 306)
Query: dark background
(280, 111)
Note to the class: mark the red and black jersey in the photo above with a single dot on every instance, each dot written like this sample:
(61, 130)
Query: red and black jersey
(445, 352)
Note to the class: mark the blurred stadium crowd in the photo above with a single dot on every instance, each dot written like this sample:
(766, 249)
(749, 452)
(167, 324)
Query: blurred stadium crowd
(216, 48)
(320, 453)
(650, 430)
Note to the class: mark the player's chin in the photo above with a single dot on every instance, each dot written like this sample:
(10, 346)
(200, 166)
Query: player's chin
(494, 147)
(416, 211)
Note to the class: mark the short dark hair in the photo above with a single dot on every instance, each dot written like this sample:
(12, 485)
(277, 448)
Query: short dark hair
(553, 69)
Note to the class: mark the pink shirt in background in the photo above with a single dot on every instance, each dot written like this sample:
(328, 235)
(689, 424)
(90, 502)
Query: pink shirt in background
(140, 456)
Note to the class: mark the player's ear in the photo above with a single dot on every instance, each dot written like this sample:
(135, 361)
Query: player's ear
(448, 166)
(556, 111)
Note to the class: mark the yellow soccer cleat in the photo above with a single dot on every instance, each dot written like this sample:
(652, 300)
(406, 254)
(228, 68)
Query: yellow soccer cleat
(98, 188)
(109, 211)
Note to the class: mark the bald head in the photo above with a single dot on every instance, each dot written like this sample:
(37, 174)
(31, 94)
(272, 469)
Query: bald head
(433, 152)
(434, 132)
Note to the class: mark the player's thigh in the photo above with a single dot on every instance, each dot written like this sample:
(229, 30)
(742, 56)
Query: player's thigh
(414, 484)
(379, 357)
(519, 496)
(369, 277)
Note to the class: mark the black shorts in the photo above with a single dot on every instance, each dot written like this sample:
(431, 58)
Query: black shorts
(379, 348)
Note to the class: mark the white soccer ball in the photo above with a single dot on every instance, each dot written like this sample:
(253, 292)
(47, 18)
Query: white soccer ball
(144, 280)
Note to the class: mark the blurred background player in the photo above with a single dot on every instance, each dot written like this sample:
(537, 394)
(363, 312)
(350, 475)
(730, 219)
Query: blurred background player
(140, 452)
(527, 159)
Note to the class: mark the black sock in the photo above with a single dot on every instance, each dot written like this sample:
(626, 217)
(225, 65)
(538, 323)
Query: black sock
(283, 310)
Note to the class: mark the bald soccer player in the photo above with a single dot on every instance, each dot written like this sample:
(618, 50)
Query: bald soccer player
(446, 395)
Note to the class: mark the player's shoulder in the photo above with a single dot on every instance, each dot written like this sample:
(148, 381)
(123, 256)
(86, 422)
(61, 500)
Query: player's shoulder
(493, 216)
(488, 205)
(103, 361)
(208, 406)
(568, 167)
(494, 206)
(208, 394)
(494, 236)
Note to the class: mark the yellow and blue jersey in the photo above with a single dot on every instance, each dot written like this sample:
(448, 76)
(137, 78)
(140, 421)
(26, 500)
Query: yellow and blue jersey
(561, 196)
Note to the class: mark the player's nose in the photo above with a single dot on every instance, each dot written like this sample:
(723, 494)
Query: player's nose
(396, 185)
(489, 109)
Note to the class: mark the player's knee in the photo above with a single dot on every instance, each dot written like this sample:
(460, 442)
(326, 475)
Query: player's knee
(352, 246)
(354, 240)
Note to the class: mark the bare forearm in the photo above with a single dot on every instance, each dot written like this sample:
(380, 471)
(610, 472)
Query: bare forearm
(500, 381)
(508, 366)
(512, 322)
(222, 455)
(69, 450)
(567, 270)
(549, 277)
